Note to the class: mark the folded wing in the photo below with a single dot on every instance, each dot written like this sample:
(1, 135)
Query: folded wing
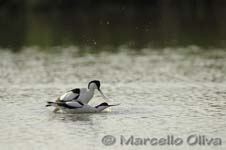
(70, 105)
(70, 95)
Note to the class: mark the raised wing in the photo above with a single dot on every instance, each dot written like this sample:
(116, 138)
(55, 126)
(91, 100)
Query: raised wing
(70, 95)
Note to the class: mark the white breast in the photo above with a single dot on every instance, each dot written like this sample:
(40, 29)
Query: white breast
(84, 109)
(85, 95)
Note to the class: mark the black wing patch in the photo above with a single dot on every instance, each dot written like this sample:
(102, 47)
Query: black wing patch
(66, 106)
(77, 91)
(80, 103)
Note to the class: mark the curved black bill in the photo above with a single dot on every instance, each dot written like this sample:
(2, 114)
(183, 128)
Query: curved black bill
(102, 94)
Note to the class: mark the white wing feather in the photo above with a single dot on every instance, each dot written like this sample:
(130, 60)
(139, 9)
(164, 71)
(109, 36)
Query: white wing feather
(74, 104)
(68, 96)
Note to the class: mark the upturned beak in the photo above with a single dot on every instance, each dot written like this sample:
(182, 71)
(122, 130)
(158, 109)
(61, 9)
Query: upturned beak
(102, 94)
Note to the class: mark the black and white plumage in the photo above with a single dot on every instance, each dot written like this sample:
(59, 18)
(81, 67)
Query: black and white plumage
(70, 95)
(66, 105)
(78, 107)
(83, 95)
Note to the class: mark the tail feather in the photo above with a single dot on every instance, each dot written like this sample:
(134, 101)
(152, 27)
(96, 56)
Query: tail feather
(49, 104)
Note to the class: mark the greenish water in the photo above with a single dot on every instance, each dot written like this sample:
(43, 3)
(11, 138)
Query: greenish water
(164, 91)
(100, 31)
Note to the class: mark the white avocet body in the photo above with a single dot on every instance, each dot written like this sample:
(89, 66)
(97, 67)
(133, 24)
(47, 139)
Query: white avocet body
(84, 95)
(78, 107)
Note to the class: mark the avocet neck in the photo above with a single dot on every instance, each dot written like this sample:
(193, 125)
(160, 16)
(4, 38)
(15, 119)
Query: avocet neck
(101, 108)
(86, 96)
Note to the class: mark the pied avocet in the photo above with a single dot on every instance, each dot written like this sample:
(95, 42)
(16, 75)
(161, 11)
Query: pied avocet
(79, 107)
(83, 95)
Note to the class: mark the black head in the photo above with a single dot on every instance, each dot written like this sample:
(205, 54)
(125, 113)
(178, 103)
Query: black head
(97, 82)
(102, 104)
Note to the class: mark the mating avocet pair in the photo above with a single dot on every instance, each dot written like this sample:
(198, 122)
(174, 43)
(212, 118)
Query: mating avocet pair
(76, 100)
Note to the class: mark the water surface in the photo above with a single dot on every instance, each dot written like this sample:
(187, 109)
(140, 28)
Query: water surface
(170, 91)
